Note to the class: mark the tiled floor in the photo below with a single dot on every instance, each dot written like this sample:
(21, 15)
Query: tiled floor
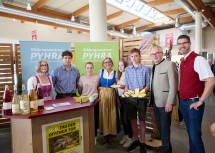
(178, 136)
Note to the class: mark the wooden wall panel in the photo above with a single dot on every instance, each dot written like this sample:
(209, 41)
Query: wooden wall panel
(127, 44)
(6, 74)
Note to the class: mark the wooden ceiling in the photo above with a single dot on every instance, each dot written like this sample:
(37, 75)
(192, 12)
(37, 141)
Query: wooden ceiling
(65, 9)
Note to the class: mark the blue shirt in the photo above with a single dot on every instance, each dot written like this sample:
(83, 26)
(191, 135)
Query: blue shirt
(137, 77)
(65, 81)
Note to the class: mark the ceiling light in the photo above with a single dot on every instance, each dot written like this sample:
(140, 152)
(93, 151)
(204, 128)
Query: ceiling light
(28, 6)
(122, 31)
(73, 18)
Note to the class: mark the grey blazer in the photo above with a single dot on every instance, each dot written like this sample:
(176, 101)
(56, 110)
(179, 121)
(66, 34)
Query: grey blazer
(165, 83)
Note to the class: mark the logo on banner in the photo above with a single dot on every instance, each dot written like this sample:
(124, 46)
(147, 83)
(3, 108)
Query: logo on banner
(34, 35)
(96, 54)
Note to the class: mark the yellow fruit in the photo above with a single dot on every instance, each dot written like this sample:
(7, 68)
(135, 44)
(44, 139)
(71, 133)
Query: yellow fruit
(143, 91)
(126, 94)
(130, 91)
(134, 95)
(141, 95)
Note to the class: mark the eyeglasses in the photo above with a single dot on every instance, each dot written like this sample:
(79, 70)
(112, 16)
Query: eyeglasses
(107, 62)
(179, 44)
(43, 65)
(155, 54)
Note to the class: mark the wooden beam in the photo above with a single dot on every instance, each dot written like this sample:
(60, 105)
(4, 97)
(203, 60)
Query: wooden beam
(42, 11)
(142, 28)
(39, 4)
(186, 19)
(114, 15)
(127, 23)
(158, 2)
(207, 13)
(80, 11)
(176, 11)
(51, 13)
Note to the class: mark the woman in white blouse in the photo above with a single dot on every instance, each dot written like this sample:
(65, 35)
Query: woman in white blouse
(108, 109)
(42, 77)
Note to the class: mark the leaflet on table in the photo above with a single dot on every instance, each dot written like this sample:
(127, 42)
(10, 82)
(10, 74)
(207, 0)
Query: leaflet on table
(61, 104)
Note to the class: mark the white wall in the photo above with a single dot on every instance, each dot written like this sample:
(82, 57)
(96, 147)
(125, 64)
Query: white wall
(209, 40)
(12, 32)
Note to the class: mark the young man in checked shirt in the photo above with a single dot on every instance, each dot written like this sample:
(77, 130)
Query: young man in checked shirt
(137, 75)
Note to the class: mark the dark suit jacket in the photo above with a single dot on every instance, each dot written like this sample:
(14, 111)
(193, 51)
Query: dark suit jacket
(165, 83)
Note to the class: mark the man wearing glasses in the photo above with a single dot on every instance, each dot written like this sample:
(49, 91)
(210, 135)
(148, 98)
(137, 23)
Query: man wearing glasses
(65, 77)
(164, 86)
(196, 83)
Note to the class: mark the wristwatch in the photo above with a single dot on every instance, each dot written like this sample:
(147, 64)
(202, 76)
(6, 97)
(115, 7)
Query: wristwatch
(202, 101)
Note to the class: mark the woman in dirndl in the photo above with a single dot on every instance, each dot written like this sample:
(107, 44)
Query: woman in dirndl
(108, 109)
(42, 77)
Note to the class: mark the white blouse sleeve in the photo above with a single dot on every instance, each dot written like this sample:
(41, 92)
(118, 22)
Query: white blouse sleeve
(31, 80)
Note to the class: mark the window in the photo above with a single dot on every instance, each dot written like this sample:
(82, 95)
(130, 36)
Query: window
(138, 8)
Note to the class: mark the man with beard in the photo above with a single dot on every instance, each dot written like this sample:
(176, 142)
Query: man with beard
(196, 83)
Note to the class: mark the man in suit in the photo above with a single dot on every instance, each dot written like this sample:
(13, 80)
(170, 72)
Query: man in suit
(164, 85)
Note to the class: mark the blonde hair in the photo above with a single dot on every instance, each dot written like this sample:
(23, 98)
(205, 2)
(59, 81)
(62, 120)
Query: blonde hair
(106, 59)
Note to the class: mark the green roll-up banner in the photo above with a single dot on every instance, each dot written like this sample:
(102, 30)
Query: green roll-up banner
(95, 52)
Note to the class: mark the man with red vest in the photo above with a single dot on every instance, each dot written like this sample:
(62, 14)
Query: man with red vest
(196, 84)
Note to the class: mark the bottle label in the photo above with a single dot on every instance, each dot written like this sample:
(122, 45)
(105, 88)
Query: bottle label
(40, 102)
(34, 104)
(24, 105)
(15, 108)
(7, 105)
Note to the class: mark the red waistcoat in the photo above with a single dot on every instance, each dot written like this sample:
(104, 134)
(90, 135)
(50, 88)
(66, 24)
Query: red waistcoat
(190, 85)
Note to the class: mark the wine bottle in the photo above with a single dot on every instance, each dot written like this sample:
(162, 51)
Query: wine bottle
(40, 98)
(24, 102)
(15, 101)
(33, 100)
(7, 101)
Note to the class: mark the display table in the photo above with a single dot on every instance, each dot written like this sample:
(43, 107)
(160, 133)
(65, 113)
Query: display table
(66, 129)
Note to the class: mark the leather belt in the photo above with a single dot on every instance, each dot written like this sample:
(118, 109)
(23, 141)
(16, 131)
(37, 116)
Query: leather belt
(195, 99)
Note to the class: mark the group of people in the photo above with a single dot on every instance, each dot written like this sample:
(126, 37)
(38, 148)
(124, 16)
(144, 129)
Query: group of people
(195, 81)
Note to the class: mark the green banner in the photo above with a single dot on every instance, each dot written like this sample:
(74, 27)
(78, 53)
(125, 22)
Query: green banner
(95, 52)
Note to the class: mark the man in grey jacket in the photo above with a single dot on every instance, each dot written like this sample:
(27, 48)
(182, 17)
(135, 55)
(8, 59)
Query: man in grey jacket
(164, 85)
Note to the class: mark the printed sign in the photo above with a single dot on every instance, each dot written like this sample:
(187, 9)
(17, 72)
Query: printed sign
(95, 52)
(169, 38)
(63, 136)
(33, 51)
(34, 35)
